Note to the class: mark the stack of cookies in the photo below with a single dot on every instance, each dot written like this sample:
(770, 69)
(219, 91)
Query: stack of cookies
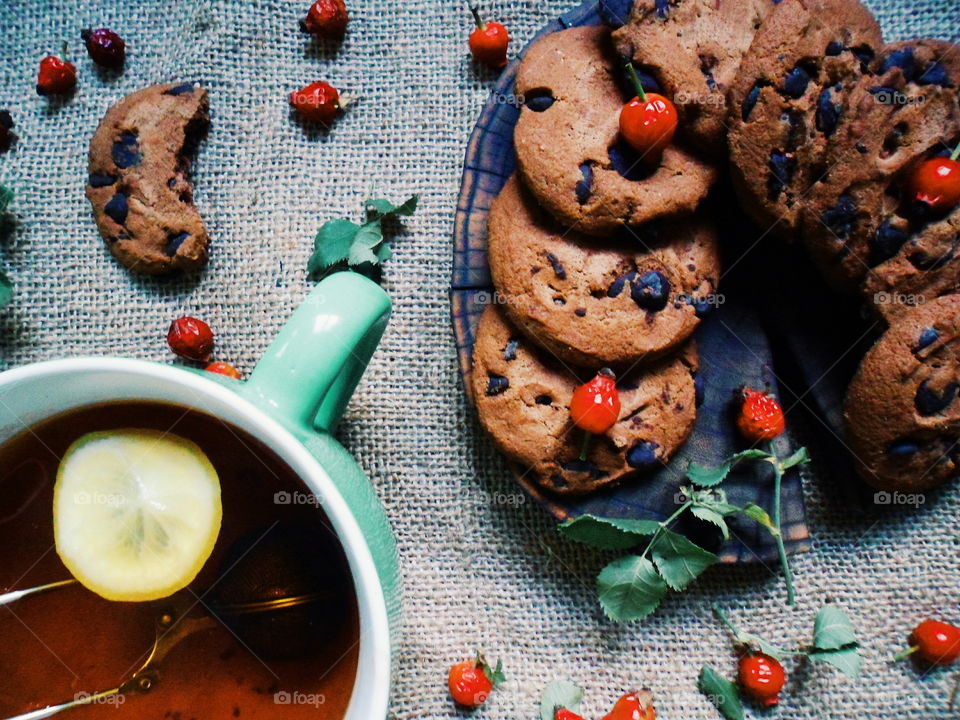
(599, 260)
(603, 259)
(828, 128)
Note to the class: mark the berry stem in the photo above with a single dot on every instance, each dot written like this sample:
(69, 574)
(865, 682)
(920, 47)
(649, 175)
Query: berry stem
(63, 51)
(775, 517)
(585, 447)
(722, 617)
(665, 525)
(476, 17)
(636, 82)
(904, 653)
(956, 153)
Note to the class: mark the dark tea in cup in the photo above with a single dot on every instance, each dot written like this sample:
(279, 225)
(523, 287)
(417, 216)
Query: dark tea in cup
(263, 656)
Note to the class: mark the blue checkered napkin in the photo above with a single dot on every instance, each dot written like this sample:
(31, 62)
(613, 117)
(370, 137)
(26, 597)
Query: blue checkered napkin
(733, 350)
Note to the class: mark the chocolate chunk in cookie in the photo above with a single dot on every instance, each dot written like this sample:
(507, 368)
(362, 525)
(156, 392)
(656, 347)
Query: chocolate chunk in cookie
(787, 100)
(862, 230)
(523, 400)
(692, 49)
(902, 408)
(568, 142)
(600, 302)
(142, 199)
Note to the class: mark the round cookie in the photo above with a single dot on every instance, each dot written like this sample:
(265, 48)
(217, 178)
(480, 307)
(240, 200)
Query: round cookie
(592, 302)
(860, 231)
(692, 49)
(786, 102)
(568, 142)
(523, 395)
(902, 409)
(142, 200)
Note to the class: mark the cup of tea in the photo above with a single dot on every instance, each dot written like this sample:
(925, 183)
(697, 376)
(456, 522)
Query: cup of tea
(296, 509)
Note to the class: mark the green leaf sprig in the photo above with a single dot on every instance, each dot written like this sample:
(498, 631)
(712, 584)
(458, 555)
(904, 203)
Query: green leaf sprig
(834, 642)
(710, 477)
(359, 247)
(631, 587)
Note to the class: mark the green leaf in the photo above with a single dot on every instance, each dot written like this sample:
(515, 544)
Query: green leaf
(494, 675)
(608, 533)
(6, 197)
(679, 560)
(800, 457)
(382, 207)
(847, 660)
(721, 692)
(751, 454)
(630, 588)
(332, 244)
(560, 693)
(383, 252)
(708, 514)
(707, 477)
(367, 238)
(752, 510)
(832, 629)
(766, 647)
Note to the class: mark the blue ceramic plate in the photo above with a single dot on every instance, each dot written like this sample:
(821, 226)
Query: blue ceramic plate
(734, 349)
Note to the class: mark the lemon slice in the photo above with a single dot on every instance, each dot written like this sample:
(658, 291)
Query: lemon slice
(136, 513)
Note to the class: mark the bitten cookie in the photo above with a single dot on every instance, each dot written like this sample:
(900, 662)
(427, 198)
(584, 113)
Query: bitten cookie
(142, 200)
(592, 302)
(523, 400)
(691, 49)
(787, 100)
(568, 141)
(863, 233)
(902, 409)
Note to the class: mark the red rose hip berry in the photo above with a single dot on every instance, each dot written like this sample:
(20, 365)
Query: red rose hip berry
(190, 338)
(633, 706)
(648, 122)
(762, 678)
(564, 714)
(223, 368)
(934, 642)
(934, 185)
(489, 42)
(317, 102)
(471, 682)
(760, 417)
(105, 47)
(595, 406)
(56, 76)
(326, 19)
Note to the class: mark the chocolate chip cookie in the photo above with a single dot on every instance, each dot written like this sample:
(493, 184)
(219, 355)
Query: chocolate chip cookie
(902, 410)
(862, 230)
(142, 200)
(523, 400)
(597, 302)
(568, 144)
(787, 99)
(690, 50)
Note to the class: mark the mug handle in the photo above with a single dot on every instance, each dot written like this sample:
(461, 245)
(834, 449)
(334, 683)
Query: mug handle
(314, 364)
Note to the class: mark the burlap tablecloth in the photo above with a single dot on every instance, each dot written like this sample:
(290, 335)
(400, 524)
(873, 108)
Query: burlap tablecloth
(479, 569)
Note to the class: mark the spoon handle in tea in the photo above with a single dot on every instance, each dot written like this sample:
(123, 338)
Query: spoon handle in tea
(51, 710)
(14, 595)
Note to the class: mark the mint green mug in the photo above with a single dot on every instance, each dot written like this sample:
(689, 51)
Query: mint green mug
(292, 403)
